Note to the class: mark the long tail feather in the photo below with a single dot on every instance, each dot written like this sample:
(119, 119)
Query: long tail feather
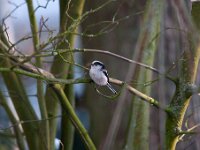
(110, 87)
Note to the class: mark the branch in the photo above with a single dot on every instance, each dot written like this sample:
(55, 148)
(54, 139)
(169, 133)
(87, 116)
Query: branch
(40, 90)
(193, 89)
(141, 95)
(43, 75)
(24, 109)
(60, 51)
(105, 52)
(75, 120)
(188, 131)
(38, 73)
(18, 132)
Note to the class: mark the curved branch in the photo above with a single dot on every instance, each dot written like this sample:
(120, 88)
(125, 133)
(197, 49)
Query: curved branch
(60, 51)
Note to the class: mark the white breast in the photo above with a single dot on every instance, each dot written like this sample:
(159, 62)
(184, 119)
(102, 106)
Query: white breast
(98, 76)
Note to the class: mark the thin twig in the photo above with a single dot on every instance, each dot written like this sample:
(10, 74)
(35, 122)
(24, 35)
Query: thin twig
(28, 121)
(188, 131)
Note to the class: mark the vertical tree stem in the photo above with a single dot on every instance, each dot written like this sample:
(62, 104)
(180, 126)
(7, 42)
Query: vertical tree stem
(40, 90)
(72, 115)
(18, 133)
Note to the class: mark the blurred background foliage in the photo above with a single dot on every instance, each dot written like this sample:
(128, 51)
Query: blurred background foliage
(146, 31)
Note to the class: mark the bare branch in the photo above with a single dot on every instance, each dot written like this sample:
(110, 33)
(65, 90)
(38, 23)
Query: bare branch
(51, 79)
(28, 121)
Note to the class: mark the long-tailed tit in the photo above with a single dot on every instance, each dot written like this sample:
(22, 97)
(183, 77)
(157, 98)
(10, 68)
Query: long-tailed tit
(99, 75)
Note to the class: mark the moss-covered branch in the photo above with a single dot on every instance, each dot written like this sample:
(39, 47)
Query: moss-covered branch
(187, 71)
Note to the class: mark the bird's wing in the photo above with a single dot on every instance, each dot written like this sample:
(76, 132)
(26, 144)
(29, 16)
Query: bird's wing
(106, 73)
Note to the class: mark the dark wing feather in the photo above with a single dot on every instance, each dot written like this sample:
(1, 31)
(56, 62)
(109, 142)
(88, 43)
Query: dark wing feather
(106, 73)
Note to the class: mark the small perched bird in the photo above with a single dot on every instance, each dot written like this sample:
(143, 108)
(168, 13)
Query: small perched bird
(99, 75)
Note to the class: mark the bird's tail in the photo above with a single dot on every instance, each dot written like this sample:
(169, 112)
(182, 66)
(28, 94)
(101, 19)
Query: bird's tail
(110, 87)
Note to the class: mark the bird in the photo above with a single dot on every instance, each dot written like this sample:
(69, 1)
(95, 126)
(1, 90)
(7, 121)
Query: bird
(99, 75)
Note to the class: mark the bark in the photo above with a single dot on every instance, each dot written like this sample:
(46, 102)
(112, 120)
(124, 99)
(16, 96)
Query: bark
(187, 70)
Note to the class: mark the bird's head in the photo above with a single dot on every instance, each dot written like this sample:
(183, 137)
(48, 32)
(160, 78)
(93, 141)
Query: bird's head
(97, 64)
